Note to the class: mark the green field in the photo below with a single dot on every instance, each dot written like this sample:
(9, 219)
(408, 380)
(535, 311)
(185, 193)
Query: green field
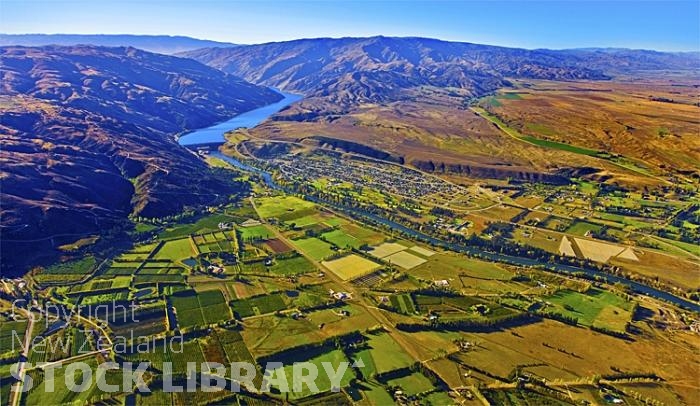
(412, 384)
(233, 346)
(334, 357)
(111, 296)
(376, 394)
(6, 382)
(200, 309)
(305, 220)
(314, 248)
(82, 266)
(67, 271)
(9, 331)
(156, 278)
(260, 232)
(582, 227)
(61, 394)
(382, 355)
(279, 205)
(341, 239)
(364, 234)
(438, 399)
(593, 308)
(448, 266)
(204, 225)
(292, 266)
(403, 303)
(176, 250)
(258, 305)
(190, 352)
(116, 282)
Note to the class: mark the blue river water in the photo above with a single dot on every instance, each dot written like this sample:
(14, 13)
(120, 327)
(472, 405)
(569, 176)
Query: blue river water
(509, 259)
(215, 134)
(249, 119)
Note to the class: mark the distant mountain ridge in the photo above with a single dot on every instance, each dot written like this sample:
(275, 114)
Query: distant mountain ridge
(352, 70)
(162, 44)
(87, 137)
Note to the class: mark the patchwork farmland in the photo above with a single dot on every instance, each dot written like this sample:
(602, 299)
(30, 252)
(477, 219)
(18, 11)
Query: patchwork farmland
(286, 279)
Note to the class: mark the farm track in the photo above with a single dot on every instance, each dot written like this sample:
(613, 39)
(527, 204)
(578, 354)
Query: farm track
(356, 297)
(406, 344)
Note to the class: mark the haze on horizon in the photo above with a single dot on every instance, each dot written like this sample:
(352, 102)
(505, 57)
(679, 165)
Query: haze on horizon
(665, 26)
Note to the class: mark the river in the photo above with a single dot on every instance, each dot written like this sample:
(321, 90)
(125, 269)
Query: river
(249, 119)
(215, 134)
(475, 251)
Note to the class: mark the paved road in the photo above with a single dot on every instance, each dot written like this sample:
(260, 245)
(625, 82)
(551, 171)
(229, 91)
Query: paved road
(408, 345)
(16, 394)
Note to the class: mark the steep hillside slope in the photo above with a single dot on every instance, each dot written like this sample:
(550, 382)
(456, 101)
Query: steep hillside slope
(379, 68)
(88, 137)
(351, 70)
(409, 97)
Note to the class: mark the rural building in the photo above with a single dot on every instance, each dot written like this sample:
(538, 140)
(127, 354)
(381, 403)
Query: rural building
(250, 223)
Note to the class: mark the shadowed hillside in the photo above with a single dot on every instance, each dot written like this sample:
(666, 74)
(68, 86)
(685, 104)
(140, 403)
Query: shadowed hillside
(88, 138)
(410, 97)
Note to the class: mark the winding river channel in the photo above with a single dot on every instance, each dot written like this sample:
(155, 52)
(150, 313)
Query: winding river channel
(215, 134)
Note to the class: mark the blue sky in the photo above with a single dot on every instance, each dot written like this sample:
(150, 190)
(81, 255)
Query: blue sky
(662, 25)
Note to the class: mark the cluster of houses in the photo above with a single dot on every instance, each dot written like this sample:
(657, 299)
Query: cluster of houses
(393, 179)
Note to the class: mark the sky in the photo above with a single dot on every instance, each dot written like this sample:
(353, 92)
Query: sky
(661, 25)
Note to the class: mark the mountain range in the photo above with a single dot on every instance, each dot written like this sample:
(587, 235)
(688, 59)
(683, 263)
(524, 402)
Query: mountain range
(88, 132)
(88, 136)
(162, 44)
(355, 70)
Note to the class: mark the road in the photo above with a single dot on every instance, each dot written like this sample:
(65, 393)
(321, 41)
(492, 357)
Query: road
(409, 346)
(16, 390)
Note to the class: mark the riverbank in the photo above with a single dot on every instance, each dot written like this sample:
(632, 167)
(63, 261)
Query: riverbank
(475, 251)
(215, 134)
